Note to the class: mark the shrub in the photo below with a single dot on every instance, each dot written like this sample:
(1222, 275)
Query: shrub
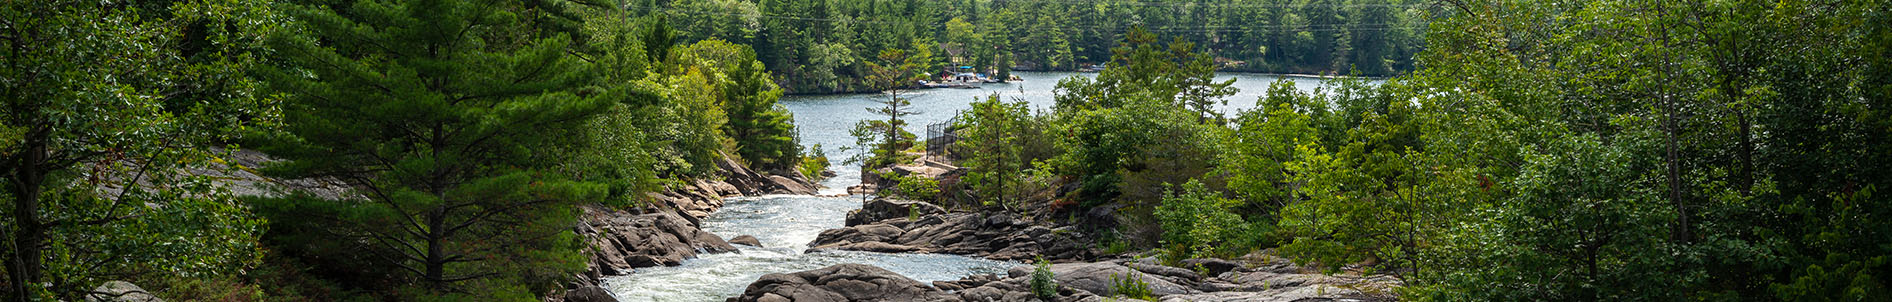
(1131, 286)
(1043, 283)
(814, 163)
(914, 187)
(1199, 223)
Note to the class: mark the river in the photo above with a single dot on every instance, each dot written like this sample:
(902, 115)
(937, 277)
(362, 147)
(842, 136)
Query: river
(786, 223)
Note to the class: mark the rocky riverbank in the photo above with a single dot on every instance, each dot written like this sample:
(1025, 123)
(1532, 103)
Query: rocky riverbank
(1257, 277)
(905, 226)
(668, 230)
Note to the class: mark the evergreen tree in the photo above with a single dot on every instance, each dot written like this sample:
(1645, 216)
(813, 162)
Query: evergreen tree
(885, 141)
(763, 131)
(1142, 68)
(441, 113)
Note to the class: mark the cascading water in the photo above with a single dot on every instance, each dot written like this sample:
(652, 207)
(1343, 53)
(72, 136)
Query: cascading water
(786, 223)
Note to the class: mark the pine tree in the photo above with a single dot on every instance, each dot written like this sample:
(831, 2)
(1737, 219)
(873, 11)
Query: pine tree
(895, 72)
(763, 131)
(441, 114)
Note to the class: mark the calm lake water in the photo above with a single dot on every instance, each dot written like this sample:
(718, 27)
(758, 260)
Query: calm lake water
(785, 224)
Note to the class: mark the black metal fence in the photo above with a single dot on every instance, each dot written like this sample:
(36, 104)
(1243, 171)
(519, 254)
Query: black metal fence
(940, 138)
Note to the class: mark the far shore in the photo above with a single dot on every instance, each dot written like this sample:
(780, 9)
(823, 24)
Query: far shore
(1284, 75)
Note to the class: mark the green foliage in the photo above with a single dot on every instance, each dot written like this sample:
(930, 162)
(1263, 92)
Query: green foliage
(814, 163)
(108, 108)
(998, 142)
(1265, 141)
(818, 46)
(1699, 148)
(1142, 69)
(1141, 125)
(913, 187)
(1361, 196)
(1130, 285)
(884, 142)
(446, 143)
(211, 289)
(617, 153)
(1114, 245)
(1044, 284)
(763, 131)
(1202, 222)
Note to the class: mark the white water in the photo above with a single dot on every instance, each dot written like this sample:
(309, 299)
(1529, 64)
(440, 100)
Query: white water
(785, 224)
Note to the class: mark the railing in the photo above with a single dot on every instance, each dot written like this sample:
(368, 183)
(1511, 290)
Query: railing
(940, 138)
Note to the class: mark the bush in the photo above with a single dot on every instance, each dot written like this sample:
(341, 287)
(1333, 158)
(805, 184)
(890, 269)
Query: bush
(1199, 223)
(814, 163)
(1043, 283)
(913, 187)
(1131, 286)
(211, 289)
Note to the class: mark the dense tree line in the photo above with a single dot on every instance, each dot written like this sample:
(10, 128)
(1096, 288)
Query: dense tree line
(469, 133)
(820, 46)
(1548, 150)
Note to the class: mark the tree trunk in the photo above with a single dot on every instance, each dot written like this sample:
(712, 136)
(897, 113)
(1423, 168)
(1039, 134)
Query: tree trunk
(1680, 231)
(436, 260)
(1747, 153)
(24, 267)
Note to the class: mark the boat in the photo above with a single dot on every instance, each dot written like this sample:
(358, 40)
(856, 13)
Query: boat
(961, 85)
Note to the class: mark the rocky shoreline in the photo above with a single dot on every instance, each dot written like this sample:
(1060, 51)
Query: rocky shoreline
(1257, 277)
(906, 226)
(668, 230)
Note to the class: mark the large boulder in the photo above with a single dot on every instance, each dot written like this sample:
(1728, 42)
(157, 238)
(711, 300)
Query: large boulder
(120, 291)
(887, 208)
(752, 182)
(590, 294)
(746, 240)
(841, 283)
(792, 185)
(622, 241)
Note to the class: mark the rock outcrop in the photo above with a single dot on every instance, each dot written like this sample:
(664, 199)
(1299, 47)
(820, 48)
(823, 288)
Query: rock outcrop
(841, 283)
(746, 240)
(886, 208)
(120, 291)
(621, 242)
(668, 230)
(860, 282)
(589, 294)
(923, 167)
(1098, 277)
(1264, 278)
(983, 288)
(887, 225)
(990, 235)
(699, 198)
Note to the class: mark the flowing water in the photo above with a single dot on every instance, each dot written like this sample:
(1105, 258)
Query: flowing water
(785, 224)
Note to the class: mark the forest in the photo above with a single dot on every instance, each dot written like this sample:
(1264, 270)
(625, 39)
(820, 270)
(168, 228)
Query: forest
(466, 133)
(439, 150)
(821, 46)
